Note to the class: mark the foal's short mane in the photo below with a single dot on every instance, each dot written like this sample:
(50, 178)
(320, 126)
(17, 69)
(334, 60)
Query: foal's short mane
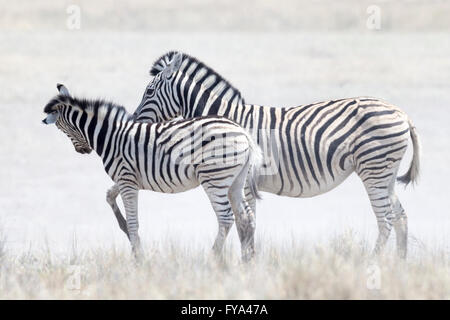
(165, 59)
(84, 104)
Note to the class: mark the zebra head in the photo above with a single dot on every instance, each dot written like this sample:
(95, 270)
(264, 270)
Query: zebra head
(160, 102)
(60, 112)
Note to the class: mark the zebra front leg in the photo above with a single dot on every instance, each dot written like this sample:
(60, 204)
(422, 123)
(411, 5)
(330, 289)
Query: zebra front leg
(111, 196)
(130, 200)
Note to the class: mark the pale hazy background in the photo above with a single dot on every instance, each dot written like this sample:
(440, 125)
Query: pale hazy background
(279, 53)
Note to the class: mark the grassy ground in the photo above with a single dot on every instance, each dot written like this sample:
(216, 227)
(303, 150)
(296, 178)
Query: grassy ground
(339, 269)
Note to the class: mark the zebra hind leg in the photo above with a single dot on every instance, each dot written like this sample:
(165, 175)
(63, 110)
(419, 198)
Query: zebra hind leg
(245, 223)
(111, 196)
(226, 200)
(250, 198)
(245, 216)
(381, 206)
(389, 213)
(251, 202)
(400, 226)
(388, 210)
(225, 218)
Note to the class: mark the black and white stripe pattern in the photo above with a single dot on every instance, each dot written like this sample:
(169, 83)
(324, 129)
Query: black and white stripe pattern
(170, 157)
(309, 149)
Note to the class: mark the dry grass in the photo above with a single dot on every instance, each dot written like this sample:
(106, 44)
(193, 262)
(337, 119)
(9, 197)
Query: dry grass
(340, 269)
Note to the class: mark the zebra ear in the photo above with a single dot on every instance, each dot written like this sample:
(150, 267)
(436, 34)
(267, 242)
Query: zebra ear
(62, 89)
(173, 66)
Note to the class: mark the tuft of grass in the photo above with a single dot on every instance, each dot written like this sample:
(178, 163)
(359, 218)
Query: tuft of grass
(340, 268)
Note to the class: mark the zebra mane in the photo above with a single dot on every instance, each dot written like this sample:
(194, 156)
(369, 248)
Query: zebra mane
(165, 59)
(96, 106)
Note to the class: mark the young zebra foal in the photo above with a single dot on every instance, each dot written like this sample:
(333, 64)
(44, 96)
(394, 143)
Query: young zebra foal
(166, 157)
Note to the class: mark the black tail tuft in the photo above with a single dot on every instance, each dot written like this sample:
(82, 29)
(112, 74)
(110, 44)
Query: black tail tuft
(412, 174)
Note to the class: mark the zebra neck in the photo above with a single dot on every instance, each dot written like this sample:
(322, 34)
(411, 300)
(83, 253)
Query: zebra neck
(201, 97)
(214, 105)
(101, 130)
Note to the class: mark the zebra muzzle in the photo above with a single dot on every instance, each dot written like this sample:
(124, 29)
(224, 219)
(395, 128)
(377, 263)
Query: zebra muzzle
(51, 118)
(83, 150)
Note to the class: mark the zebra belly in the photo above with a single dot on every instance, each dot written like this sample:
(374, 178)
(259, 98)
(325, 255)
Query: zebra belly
(308, 157)
(285, 186)
(177, 180)
(300, 168)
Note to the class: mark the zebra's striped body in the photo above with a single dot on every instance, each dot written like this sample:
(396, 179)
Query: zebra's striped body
(309, 149)
(166, 157)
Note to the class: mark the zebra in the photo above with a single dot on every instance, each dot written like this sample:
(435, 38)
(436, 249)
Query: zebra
(168, 157)
(308, 149)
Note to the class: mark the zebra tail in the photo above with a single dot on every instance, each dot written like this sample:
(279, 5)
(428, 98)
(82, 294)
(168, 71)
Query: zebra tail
(412, 174)
(256, 161)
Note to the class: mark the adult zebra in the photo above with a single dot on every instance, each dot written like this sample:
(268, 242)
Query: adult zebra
(312, 148)
(166, 157)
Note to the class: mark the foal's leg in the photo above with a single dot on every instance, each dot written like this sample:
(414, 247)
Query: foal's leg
(111, 196)
(130, 200)
(222, 207)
